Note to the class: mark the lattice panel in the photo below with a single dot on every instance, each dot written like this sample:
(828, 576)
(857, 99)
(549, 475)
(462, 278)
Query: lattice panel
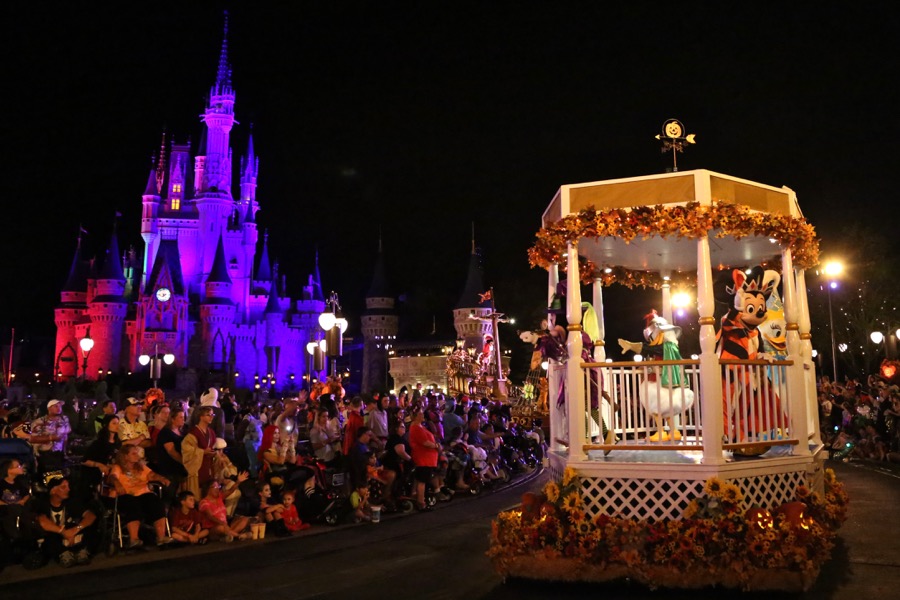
(639, 499)
(663, 499)
(770, 490)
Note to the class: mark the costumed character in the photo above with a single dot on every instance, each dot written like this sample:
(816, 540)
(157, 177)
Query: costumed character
(670, 395)
(553, 347)
(774, 343)
(739, 340)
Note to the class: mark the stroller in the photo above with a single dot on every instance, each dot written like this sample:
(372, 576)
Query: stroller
(322, 497)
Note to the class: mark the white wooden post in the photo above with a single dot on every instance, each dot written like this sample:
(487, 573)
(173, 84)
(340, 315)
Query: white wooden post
(795, 376)
(575, 404)
(666, 298)
(812, 407)
(557, 426)
(710, 372)
(600, 344)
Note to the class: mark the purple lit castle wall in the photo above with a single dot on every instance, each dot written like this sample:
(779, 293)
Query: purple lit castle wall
(203, 293)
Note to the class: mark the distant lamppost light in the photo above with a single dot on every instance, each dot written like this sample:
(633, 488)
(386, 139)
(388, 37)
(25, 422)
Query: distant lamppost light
(876, 337)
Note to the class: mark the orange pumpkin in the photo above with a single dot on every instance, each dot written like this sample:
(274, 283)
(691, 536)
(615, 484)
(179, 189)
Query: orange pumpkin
(758, 519)
(795, 514)
(531, 506)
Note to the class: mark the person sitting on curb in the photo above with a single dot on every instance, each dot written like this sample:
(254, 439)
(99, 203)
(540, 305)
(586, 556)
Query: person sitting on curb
(185, 521)
(214, 516)
(67, 525)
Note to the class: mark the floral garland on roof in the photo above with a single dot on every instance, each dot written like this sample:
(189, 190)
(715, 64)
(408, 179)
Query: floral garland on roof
(690, 221)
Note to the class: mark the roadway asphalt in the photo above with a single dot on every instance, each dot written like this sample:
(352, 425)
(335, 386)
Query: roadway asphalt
(440, 555)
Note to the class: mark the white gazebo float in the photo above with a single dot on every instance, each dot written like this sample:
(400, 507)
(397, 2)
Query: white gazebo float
(653, 231)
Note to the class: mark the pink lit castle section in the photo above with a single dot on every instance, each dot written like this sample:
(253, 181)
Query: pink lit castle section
(205, 290)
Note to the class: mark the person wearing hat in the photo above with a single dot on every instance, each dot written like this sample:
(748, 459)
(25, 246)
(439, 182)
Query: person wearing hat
(198, 450)
(69, 527)
(49, 435)
(132, 430)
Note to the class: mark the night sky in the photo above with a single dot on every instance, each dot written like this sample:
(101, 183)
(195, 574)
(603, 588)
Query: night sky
(420, 118)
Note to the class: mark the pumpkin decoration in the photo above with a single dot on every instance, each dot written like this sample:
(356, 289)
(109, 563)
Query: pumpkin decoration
(794, 514)
(758, 519)
(548, 509)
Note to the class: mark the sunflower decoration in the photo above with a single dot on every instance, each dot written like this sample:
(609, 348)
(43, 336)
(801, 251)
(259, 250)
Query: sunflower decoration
(713, 486)
(551, 490)
(569, 476)
(572, 502)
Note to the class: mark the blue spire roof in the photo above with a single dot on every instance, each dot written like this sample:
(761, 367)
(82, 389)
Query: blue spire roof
(273, 306)
(151, 189)
(379, 287)
(318, 294)
(77, 279)
(112, 265)
(264, 272)
(474, 285)
(168, 257)
(219, 271)
(249, 217)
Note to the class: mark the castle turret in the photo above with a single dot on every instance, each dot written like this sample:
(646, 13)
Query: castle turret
(214, 202)
(177, 186)
(71, 311)
(379, 328)
(150, 223)
(470, 304)
(107, 311)
(217, 310)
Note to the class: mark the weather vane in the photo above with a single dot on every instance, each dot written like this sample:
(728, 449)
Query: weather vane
(673, 139)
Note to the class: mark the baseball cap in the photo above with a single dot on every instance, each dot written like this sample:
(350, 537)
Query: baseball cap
(53, 403)
(132, 401)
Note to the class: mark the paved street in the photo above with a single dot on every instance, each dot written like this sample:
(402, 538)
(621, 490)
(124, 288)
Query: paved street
(441, 556)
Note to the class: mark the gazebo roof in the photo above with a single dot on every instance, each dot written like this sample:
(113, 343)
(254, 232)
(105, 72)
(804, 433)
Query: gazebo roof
(667, 197)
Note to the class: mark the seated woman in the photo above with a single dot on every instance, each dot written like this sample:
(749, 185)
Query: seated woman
(131, 478)
(99, 456)
(213, 515)
(274, 457)
(185, 521)
(325, 441)
(159, 420)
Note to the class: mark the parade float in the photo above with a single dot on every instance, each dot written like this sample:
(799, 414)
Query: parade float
(727, 489)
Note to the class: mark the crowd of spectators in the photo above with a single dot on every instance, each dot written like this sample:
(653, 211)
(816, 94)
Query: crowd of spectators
(860, 421)
(186, 473)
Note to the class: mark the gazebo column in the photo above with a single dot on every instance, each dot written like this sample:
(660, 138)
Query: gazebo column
(575, 406)
(554, 378)
(666, 307)
(710, 373)
(600, 349)
(796, 373)
(812, 402)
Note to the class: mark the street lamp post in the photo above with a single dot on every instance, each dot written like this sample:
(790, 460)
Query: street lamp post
(334, 324)
(832, 270)
(156, 362)
(86, 344)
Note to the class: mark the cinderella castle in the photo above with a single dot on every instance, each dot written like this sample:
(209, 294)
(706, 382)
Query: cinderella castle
(203, 291)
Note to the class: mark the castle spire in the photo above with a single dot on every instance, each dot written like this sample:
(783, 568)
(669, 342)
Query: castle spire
(318, 294)
(379, 287)
(76, 281)
(219, 271)
(264, 273)
(152, 187)
(223, 75)
(161, 165)
(112, 266)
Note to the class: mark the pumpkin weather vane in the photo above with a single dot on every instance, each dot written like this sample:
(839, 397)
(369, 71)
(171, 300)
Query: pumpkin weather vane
(673, 139)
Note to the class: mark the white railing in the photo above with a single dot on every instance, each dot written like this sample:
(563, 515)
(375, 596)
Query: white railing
(657, 405)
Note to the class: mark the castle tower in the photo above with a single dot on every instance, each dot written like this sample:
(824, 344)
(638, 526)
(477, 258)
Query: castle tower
(214, 202)
(472, 330)
(379, 328)
(150, 223)
(275, 329)
(71, 311)
(107, 311)
(217, 311)
(248, 245)
(249, 173)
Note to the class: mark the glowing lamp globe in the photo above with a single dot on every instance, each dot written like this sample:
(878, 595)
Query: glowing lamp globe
(311, 348)
(86, 344)
(877, 337)
(144, 360)
(327, 320)
(168, 358)
(342, 323)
